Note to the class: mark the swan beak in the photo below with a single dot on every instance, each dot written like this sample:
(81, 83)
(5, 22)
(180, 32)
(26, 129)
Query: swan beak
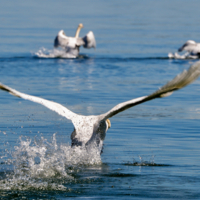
(108, 123)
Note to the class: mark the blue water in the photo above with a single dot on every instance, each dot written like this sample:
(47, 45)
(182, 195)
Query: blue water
(151, 151)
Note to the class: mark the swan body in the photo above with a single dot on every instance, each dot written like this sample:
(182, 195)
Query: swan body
(72, 44)
(91, 130)
(191, 47)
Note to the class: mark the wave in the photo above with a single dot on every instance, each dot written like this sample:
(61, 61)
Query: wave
(80, 56)
(60, 53)
(44, 53)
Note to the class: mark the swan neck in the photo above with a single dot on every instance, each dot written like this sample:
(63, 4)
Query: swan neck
(78, 31)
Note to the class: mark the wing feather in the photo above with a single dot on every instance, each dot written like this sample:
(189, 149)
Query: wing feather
(180, 81)
(89, 40)
(61, 110)
(61, 40)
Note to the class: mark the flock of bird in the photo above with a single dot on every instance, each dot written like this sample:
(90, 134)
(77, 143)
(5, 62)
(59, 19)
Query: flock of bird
(71, 45)
(91, 130)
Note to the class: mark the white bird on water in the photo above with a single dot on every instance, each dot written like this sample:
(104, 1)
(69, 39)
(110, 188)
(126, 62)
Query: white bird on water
(191, 48)
(91, 130)
(72, 44)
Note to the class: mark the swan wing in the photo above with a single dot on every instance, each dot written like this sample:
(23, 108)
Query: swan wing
(180, 81)
(89, 40)
(61, 110)
(61, 41)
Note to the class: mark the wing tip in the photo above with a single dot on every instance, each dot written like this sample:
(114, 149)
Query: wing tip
(9, 90)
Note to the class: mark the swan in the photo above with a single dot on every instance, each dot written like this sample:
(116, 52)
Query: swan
(72, 44)
(91, 130)
(191, 47)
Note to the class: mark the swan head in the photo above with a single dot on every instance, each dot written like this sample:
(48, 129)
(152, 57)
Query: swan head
(80, 25)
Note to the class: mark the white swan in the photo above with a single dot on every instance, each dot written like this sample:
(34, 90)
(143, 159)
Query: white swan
(91, 130)
(191, 47)
(72, 44)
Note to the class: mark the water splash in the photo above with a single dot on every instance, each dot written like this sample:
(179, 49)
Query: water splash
(184, 56)
(44, 165)
(147, 160)
(55, 53)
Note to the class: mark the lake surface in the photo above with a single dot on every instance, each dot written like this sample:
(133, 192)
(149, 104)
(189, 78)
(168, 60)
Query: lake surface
(151, 151)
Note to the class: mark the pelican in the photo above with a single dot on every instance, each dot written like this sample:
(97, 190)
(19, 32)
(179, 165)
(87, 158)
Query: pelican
(191, 47)
(72, 44)
(91, 130)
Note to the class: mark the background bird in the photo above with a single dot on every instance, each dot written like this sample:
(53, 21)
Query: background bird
(191, 47)
(72, 44)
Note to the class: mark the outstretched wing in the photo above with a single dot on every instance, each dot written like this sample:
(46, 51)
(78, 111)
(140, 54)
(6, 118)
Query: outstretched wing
(181, 80)
(61, 40)
(61, 110)
(89, 40)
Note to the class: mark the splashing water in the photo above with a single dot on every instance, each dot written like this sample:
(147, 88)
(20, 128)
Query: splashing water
(142, 161)
(184, 56)
(42, 165)
(55, 53)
